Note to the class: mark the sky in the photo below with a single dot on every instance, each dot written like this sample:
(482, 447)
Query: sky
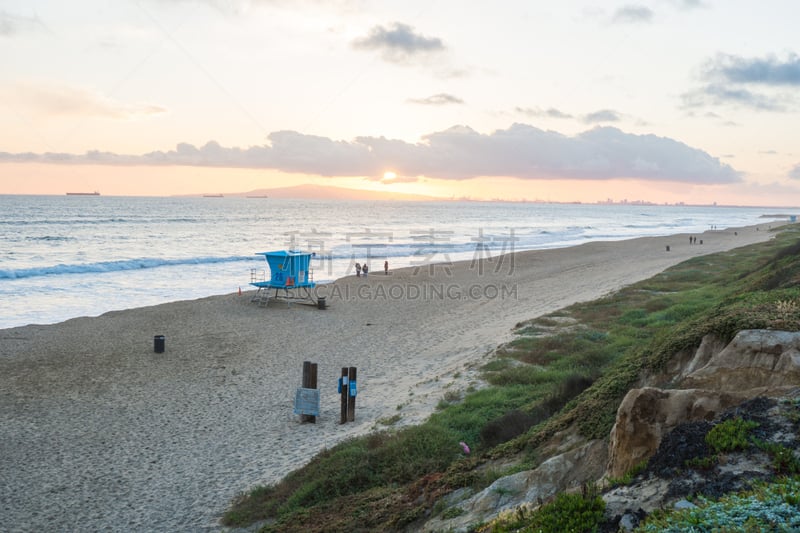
(665, 101)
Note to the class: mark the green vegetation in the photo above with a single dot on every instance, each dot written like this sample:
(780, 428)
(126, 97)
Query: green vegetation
(569, 369)
(768, 507)
(568, 513)
(389, 420)
(731, 435)
(783, 460)
(629, 475)
(703, 463)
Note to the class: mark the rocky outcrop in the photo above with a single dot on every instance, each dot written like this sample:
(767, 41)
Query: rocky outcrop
(669, 477)
(755, 362)
(664, 426)
(562, 472)
(647, 414)
(684, 363)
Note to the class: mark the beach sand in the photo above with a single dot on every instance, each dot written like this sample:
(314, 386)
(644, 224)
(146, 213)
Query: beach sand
(98, 432)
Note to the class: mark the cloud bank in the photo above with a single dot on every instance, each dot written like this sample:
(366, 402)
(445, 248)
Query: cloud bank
(750, 82)
(458, 153)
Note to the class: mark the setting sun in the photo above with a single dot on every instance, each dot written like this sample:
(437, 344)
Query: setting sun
(389, 175)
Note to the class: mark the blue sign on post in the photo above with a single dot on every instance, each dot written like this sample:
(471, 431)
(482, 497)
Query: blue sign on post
(306, 402)
(353, 389)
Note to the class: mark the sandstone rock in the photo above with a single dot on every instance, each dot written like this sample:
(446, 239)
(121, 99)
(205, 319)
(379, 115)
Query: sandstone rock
(645, 415)
(666, 483)
(763, 362)
(684, 363)
(557, 474)
(644, 497)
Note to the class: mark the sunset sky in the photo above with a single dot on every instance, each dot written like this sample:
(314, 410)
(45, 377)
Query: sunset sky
(693, 101)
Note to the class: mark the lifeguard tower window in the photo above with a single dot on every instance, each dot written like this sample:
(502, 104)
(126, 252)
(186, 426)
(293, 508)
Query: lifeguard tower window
(290, 276)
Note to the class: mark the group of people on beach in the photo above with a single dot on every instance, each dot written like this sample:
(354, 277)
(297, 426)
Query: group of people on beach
(365, 269)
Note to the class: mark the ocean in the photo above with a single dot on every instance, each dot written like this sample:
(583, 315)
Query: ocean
(68, 256)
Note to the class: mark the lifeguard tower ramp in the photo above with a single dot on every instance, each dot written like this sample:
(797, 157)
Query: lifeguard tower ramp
(290, 278)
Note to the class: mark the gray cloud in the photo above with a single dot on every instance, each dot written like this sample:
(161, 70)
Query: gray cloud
(632, 14)
(295, 152)
(437, 99)
(603, 115)
(718, 94)
(746, 82)
(550, 112)
(458, 153)
(795, 172)
(765, 71)
(398, 42)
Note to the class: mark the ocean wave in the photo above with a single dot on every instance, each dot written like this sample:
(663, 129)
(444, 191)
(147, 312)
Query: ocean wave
(50, 238)
(97, 221)
(114, 266)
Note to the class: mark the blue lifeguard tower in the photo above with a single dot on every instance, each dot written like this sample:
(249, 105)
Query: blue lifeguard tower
(290, 276)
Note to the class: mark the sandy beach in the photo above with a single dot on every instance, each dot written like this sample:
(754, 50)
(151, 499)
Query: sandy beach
(99, 433)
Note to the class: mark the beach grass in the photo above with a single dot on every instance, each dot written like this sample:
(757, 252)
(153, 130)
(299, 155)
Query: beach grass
(570, 368)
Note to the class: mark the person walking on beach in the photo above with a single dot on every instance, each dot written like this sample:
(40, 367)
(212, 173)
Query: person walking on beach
(358, 270)
(386, 267)
(365, 269)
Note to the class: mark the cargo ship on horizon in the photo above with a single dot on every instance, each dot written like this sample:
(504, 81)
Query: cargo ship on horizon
(95, 193)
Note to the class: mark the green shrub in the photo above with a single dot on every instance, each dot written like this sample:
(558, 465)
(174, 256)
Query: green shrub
(629, 475)
(505, 428)
(731, 435)
(702, 463)
(568, 513)
(783, 460)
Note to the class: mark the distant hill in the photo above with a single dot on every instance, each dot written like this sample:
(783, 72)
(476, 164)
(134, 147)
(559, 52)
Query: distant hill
(323, 192)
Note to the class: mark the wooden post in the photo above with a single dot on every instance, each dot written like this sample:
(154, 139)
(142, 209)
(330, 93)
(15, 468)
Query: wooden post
(313, 383)
(351, 399)
(305, 384)
(309, 382)
(344, 393)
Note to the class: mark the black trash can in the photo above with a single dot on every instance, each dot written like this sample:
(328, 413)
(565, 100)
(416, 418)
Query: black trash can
(321, 302)
(158, 343)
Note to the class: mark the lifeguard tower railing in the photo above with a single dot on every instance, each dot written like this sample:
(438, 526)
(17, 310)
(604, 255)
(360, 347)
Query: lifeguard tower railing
(290, 277)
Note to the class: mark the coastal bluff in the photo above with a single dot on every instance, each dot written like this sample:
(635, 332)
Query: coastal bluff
(661, 424)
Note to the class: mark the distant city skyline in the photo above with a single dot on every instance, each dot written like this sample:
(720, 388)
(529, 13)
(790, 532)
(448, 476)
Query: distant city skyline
(660, 101)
